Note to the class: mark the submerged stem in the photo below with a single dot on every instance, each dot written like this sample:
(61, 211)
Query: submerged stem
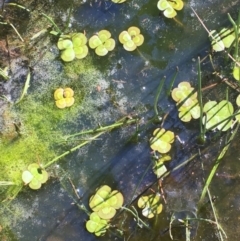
(202, 131)
(99, 131)
(159, 90)
(136, 216)
(236, 35)
(52, 22)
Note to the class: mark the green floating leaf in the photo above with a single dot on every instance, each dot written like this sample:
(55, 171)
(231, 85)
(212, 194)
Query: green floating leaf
(79, 40)
(118, 1)
(187, 101)
(105, 202)
(131, 38)
(102, 42)
(27, 177)
(227, 37)
(64, 97)
(161, 140)
(96, 225)
(35, 176)
(73, 45)
(236, 72)
(64, 44)
(168, 7)
(238, 100)
(217, 43)
(216, 113)
(150, 204)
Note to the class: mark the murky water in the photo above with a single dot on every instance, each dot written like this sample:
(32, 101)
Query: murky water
(124, 83)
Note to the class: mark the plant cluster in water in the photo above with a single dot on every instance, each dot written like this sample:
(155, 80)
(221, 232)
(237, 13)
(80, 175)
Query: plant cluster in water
(216, 113)
(73, 46)
(226, 38)
(34, 176)
(162, 140)
(168, 7)
(64, 97)
(187, 101)
(159, 168)
(102, 42)
(150, 204)
(131, 39)
(223, 39)
(104, 204)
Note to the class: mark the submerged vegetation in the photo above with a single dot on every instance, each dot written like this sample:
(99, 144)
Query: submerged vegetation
(34, 137)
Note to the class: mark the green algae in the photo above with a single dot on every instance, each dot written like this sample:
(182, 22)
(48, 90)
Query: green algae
(42, 124)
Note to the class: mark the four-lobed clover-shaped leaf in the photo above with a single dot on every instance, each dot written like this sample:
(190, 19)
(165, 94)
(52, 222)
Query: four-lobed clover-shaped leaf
(150, 204)
(216, 113)
(159, 168)
(168, 7)
(34, 176)
(105, 202)
(131, 39)
(97, 225)
(73, 46)
(80, 48)
(161, 140)
(187, 101)
(64, 97)
(102, 42)
(183, 92)
(223, 39)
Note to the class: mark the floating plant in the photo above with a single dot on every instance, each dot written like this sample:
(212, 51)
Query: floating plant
(64, 97)
(34, 176)
(102, 42)
(131, 39)
(97, 225)
(189, 110)
(183, 92)
(161, 140)
(221, 40)
(238, 100)
(150, 204)
(236, 72)
(168, 7)
(216, 113)
(105, 202)
(159, 168)
(238, 104)
(118, 1)
(73, 46)
(187, 101)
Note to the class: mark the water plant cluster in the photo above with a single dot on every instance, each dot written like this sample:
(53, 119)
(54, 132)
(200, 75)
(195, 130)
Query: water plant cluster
(34, 176)
(64, 97)
(162, 140)
(150, 205)
(186, 101)
(228, 38)
(169, 7)
(104, 204)
(218, 115)
(75, 45)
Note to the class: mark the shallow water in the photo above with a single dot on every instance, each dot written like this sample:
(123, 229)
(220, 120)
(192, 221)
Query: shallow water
(128, 82)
